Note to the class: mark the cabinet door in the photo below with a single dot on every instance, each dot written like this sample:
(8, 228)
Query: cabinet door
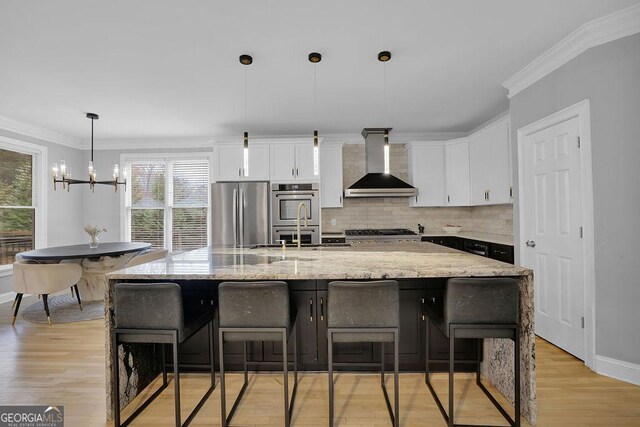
(427, 174)
(412, 347)
(480, 154)
(228, 163)
(342, 352)
(306, 332)
(500, 189)
(304, 163)
(283, 162)
(457, 172)
(258, 162)
(331, 177)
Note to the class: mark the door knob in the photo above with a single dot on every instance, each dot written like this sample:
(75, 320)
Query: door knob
(530, 243)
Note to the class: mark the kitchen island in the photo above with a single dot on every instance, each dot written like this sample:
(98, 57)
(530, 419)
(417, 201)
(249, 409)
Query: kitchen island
(421, 269)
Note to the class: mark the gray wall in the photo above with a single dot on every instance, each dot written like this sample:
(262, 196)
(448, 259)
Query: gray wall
(608, 75)
(64, 209)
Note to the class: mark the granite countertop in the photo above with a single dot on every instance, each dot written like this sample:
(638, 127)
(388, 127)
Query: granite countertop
(501, 239)
(407, 260)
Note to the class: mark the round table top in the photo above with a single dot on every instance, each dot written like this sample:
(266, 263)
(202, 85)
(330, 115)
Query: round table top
(57, 253)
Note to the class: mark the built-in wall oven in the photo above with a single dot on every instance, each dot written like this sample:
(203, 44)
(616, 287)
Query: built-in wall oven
(285, 200)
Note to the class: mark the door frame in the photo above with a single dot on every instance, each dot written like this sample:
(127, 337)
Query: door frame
(581, 110)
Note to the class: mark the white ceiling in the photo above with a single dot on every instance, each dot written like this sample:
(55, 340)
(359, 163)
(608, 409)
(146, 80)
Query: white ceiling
(166, 69)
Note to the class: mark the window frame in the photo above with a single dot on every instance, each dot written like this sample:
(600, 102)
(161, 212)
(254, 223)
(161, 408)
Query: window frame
(165, 158)
(39, 182)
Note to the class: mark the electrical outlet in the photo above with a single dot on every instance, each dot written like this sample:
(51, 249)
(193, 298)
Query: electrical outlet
(333, 221)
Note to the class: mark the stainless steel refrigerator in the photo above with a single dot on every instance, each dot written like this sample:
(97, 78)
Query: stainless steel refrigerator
(240, 213)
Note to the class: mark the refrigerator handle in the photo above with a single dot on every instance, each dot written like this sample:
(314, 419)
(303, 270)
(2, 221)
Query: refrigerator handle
(235, 215)
(241, 216)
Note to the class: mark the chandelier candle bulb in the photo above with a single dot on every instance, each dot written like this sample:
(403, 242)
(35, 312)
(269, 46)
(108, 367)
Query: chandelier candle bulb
(116, 171)
(54, 170)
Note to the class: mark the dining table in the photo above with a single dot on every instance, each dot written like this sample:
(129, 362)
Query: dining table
(96, 262)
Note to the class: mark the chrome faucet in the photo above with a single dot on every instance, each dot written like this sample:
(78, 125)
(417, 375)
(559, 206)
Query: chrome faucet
(306, 213)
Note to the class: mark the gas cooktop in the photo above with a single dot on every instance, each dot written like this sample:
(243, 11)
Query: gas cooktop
(375, 232)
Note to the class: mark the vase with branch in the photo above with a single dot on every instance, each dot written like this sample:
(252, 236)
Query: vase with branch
(93, 231)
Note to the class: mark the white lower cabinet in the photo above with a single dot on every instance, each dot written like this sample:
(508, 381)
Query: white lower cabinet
(426, 172)
(331, 185)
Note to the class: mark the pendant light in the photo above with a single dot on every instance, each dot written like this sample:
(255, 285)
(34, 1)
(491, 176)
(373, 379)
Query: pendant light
(63, 174)
(315, 58)
(245, 60)
(384, 57)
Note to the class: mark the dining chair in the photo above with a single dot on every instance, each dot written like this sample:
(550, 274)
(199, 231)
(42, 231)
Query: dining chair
(43, 279)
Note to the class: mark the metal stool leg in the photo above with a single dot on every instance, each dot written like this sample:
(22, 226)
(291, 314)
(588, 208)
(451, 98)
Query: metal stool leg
(212, 356)
(285, 367)
(223, 396)
(77, 295)
(382, 381)
(516, 379)
(451, 369)
(116, 380)
(426, 351)
(176, 378)
(45, 301)
(330, 367)
(396, 379)
(163, 350)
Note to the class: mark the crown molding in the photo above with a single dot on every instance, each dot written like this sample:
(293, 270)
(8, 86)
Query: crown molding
(603, 30)
(38, 132)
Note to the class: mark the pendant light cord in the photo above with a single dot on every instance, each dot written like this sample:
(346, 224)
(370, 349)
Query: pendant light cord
(92, 139)
(245, 98)
(315, 97)
(384, 70)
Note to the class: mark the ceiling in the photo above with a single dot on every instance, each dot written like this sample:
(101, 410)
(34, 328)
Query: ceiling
(167, 69)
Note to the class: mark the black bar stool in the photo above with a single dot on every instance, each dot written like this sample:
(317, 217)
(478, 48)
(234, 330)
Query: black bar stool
(256, 311)
(365, 312)
(153, 313)
(477, 308)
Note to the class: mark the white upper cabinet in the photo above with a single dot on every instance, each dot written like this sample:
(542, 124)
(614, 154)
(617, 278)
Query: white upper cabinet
(457, 174)
(292, 162)
(426, 172)
(331, 185)
(229, 162)
(490, 165)
(283, 162)
(304, 163)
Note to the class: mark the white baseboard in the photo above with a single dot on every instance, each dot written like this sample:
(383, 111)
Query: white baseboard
(618, 369)
(7, 297)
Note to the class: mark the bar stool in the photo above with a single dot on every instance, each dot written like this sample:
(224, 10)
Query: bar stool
(476, 308)
(365, 312)
(153, 313)
(256, 311)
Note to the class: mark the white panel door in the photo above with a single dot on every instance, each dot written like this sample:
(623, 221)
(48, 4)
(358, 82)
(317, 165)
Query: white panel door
(457, 171)
(228, 163)
(552, 201)
(283, 162)
(304, 162)
(427, 174)
(480, 155)
(331, 177)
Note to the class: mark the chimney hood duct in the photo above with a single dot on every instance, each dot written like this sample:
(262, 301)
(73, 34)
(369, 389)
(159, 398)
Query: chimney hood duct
(376, 183)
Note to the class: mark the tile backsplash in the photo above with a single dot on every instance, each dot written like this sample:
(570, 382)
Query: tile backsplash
(396, 213)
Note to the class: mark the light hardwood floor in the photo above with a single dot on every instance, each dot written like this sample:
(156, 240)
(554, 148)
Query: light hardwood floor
(64, 365)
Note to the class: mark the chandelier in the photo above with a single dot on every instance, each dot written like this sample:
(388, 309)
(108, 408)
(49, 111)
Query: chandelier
(63, 173)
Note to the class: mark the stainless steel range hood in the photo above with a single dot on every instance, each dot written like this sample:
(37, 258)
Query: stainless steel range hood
(376, 183)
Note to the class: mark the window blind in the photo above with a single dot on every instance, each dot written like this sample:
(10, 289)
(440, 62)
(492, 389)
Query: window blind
(17, 204)
(189, 202)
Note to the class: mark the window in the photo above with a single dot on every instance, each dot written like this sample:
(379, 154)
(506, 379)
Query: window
(168, 202)
(21, 198)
